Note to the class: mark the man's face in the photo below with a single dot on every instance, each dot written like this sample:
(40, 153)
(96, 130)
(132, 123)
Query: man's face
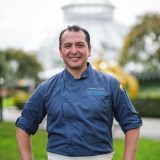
(74, 50)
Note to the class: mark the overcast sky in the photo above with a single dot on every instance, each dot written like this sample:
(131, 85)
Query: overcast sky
(23, 21)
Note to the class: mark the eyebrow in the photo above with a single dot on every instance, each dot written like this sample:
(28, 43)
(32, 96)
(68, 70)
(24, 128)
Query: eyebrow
(80, 42)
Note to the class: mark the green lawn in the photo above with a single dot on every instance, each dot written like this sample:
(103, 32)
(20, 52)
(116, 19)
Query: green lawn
(149, 149)
(9, 148)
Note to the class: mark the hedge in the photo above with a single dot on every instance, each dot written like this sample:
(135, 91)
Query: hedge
(147, 107)
(20, 99)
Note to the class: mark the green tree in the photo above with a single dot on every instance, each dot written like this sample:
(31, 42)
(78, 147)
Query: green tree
(6, 71)
(17, 64)
(142, 44)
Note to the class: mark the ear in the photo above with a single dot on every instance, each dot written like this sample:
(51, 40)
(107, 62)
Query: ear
(60, 52)
(89, 55)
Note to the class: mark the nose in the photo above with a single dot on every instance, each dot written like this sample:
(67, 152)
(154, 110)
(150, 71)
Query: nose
(73, 49)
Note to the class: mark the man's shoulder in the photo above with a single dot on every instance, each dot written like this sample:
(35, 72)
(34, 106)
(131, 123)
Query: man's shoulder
(106, 75)
(55, 78)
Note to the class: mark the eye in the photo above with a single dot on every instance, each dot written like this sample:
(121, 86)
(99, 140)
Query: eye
(80, 45)
(67, 45)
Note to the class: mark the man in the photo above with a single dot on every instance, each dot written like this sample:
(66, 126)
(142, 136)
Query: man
(80, 104)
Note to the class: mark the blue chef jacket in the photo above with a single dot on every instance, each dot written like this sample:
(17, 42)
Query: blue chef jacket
(79, 112)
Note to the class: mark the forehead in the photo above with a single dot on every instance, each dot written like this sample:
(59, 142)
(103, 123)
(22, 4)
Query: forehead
(69, 36)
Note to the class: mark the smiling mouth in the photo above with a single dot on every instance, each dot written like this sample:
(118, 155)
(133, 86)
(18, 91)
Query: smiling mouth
(74, 58)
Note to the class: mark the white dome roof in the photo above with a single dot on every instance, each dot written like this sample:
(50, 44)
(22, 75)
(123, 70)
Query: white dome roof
(90, 2)
(100, 9)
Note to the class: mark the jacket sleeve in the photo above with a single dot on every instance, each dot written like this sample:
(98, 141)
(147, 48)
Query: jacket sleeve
(33, 111)
(124, 111)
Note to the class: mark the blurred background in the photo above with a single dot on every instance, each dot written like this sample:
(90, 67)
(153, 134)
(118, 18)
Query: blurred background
(125, 39)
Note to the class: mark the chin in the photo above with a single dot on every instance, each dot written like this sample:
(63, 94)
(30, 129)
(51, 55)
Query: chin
(75, 67)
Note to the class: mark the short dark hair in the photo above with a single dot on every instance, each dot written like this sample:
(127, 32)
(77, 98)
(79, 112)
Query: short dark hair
(75, 28)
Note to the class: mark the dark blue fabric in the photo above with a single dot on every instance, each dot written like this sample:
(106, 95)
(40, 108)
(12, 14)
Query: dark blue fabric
(79, 112)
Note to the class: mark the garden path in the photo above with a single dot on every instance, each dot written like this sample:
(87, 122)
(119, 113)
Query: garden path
(150, 128)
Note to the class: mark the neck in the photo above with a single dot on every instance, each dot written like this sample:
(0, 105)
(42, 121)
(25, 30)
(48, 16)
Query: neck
(77, 72)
